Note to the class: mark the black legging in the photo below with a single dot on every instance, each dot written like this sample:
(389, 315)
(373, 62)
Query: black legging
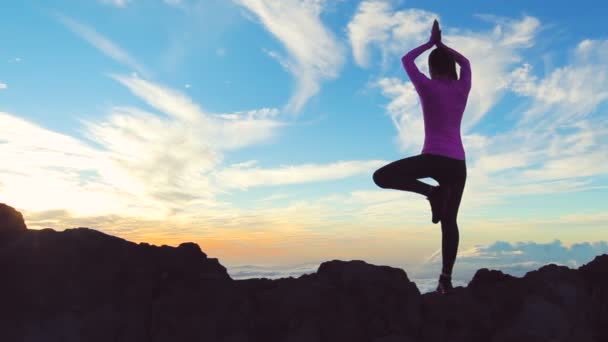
(403, 174)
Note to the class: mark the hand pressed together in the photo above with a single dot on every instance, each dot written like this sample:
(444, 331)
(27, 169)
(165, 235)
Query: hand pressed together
(435, 34)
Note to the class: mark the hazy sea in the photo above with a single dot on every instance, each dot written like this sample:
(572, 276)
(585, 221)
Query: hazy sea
(238, 272)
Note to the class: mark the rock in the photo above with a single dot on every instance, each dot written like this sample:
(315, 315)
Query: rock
(12, 224)
(83, 285)
(192, 249)
(595, 277)
(393, 338)
(537, 320)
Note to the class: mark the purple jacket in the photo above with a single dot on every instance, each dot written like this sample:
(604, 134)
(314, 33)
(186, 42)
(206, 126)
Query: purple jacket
(443, 103)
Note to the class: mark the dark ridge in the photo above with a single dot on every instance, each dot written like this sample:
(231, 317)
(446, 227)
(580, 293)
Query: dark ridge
(84, 285)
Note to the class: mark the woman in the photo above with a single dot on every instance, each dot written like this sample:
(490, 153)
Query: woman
(443, 98)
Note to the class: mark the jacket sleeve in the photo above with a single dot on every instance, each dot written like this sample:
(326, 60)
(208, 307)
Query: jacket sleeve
(418, 78)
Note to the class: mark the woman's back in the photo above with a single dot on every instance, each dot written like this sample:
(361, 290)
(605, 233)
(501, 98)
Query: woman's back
(443, 102)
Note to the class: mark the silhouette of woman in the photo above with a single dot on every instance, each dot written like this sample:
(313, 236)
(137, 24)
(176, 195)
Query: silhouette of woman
(443, 99)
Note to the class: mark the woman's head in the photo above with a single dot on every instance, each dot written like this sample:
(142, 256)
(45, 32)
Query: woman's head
(442, 65)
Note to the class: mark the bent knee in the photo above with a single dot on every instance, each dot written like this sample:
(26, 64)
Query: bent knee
(378, 179)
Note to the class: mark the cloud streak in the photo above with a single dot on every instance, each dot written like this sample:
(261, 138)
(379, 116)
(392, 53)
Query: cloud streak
(101, 43)
(314, 54)
(244, 176)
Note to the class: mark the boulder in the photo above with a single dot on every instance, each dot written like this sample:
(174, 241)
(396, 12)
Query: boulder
(12, 224)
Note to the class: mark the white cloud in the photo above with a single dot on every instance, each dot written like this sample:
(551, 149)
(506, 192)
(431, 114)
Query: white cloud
(404, 112)
(569, 93)
(102, 43)
(167, 100)
(146, 164)
(53, 171)
(222, 131)
(314, 53)
(172, 158)
(3, 86)
(376, 24)
(245, 175)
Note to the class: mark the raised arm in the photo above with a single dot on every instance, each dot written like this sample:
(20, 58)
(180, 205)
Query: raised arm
(407, 60)
(465, 65)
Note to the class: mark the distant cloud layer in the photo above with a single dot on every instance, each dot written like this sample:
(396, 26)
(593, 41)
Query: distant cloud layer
(521, 257)
(513, 258)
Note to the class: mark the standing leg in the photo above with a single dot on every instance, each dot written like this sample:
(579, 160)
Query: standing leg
(449, 227)
(403, 174)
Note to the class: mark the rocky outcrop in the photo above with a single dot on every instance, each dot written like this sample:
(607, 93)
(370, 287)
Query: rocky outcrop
(84, 285)
(11, 223)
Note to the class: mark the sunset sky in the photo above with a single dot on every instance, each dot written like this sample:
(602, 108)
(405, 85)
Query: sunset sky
(253, 127)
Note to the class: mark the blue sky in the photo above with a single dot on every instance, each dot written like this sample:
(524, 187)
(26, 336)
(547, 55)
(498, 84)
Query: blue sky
(252, 127)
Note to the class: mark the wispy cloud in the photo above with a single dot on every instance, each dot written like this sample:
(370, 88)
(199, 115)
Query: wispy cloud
(3, 86)
(314, 54)
(172, 158)
(376, 24)
(569, 93)
(221, 131)
(102, 43)
(245, 175)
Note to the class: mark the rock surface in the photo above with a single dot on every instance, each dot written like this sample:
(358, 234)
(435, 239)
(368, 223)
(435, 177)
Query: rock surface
(84, 285)
(11, 223)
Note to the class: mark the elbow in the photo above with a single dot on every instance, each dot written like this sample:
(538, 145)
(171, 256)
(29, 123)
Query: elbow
(407, 62)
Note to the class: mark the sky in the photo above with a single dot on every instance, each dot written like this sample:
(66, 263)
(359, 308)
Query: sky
(253, 128)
